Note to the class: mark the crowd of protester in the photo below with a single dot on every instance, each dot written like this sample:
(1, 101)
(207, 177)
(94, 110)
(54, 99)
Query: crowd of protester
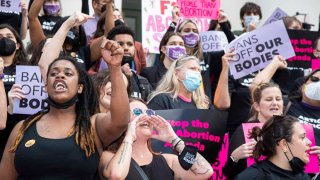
(102, 98)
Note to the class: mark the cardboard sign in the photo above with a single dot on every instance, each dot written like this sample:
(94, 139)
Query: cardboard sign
(213, 41)
(302, 42)
(311, 167)
(315, 64)
(278, 14)
(10, 5)
(156, 20)
(204, 129)
(29, 77)
(199, 8)
(256, 49)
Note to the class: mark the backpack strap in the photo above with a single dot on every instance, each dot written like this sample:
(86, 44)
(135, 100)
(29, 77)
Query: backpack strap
(139, 169)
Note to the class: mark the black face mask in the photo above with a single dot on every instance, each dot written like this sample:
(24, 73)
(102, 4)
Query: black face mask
(7, 46)
(65, 105)
(73, 39)
(118, 22)
(296, 164)
(127, 59)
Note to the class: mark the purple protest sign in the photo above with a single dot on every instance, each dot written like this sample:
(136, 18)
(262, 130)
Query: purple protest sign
(29, 77)
(10, 5)
(278, 14)
(311, 167)
(199, 8)
(256, 49)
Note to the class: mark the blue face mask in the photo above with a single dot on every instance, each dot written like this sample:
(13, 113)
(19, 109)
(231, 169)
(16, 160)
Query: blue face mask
(192, 80)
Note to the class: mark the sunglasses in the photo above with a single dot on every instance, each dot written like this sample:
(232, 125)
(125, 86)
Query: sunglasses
(314, 79)
(138, 111)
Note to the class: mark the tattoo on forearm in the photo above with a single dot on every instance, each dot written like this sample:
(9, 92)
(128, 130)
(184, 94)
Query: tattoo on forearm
(123, 152)
(200, 166)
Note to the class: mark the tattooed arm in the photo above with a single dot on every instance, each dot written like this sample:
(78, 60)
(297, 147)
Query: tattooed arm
(116, 166)
(201, 169)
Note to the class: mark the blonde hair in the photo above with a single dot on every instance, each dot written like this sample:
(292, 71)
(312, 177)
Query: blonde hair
(170, 84)
(196, 51)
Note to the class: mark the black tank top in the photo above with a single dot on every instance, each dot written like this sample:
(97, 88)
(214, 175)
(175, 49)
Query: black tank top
(42, 158)
(158, 169)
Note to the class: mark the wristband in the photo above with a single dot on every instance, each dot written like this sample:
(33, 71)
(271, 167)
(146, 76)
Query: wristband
(2, 76)
(187, 157)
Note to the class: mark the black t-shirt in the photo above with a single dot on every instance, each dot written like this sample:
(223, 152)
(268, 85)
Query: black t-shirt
(154, 74)
(308, 115)
(83, 57)
(267, 170)
(165, 101)
(14, 19)
(232, 169)
(48, 22)
(9, 77)
(140, 86)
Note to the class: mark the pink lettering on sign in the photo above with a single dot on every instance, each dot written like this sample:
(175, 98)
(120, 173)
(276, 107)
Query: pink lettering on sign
(315, 64)
(199, 8)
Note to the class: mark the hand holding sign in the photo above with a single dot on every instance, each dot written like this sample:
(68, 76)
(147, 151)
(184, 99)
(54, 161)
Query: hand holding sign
(112, 52)
(24, 7)
(222, 16)
(175, 13)
(163, 128)
(227, 57)
(15, 92)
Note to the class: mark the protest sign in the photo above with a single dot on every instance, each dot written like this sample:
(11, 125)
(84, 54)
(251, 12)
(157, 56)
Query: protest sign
(213, 41)
(204, 129)
(156, 19)
(278, 14)
(199, 8)
(29, 77)
(311, 167)
(302, 42)
(255, 50)
(10, 5)
(315, 64)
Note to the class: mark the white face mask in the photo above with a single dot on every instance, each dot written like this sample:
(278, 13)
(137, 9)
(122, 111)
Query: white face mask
(254, 19)
(312, 91)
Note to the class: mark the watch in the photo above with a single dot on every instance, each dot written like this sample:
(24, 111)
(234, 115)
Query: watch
(233, 159)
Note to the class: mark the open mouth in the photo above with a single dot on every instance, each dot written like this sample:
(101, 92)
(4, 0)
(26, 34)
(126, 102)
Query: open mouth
(274, 109)
(60, 86)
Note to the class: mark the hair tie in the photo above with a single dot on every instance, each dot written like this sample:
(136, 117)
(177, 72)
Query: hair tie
(259, 138)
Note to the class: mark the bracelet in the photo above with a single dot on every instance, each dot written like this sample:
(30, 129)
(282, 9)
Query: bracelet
(1, 76)
(175, 146)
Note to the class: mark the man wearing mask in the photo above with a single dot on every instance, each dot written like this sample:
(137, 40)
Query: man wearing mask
(141, 88)
(250, 15)
(91, 25)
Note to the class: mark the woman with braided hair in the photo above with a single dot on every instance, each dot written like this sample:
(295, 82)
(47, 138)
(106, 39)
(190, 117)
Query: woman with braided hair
(64, 142)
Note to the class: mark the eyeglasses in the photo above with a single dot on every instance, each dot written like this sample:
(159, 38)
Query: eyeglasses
(314, 79)
(138, 111)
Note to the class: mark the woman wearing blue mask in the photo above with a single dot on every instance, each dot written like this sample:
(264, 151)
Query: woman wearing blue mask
(180, 87)
(171, 48)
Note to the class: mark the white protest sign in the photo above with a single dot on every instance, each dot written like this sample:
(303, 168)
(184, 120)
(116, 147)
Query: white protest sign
(156, 18)
(255, 50)
(10, 5)
(278, 14)
(29, 77)
(213, 41)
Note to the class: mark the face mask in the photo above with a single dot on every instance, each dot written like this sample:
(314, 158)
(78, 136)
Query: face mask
(7, 46)
(296, 164)
(175, 52)
(248, 19)
(73, 39)
(127, 59)
(65, 105)
(51, 9)
(312, 91)
(191, 39)
(192, 80)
